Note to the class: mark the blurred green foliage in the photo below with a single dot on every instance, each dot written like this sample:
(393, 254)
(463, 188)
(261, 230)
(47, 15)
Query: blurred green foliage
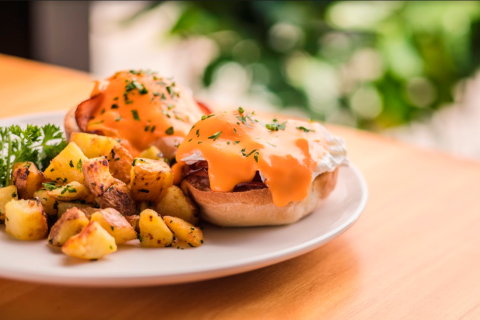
(367, 64)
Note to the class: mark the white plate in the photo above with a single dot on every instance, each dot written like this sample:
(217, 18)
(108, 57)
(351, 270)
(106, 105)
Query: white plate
(226, 251)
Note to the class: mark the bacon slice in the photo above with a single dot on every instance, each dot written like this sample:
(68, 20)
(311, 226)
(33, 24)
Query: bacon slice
(85, 111)
(200, 169)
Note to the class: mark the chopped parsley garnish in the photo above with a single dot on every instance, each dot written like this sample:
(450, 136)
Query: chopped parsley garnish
(131, 85)
(256, 156)
(275, 125)
(153, 128)
(79, 164)
(199, 142)
(248, 155)
(206, 117)
(228, 142)
(118, 119)
(135, 115)
(114, 106)
(169, 131)
(71, 164)
(98, 122)
(236, 142)
(234, 130)
(198, 133)
(240, 110)
(215, 135)
(305, 129)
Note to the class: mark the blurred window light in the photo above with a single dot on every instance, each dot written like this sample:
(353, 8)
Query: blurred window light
(231, 77)
(366, 65)
(421, 92)
(335, 46)
(284, 37)
(246, 51)
(360, 15)
(366, 102)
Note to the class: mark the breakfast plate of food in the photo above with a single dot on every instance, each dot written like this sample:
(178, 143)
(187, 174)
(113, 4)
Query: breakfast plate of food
(140, 184)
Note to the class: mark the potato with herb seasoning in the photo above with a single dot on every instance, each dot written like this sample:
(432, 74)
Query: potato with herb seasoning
(120, 163)
(69, 192)
(92, 243)
(70, 224)
(118, 197)
(6, 195)
(25, 219)
(153, 230)
(27, 178)
(87, 208)
(133, 220)
(153, 153)
(93, 145)
(67, 166)
(150, 179)
(115, 224)
(48, 202)
(97, 175)
(185, 231)
(175, 203)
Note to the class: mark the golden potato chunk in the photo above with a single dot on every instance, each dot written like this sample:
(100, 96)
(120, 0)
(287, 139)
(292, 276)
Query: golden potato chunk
(175, 203)
(70, 224)
(28, 179)
(153, 230)
(25, 220)
(69, 192)
(150, 179)
(67, 166)
(185, 231)
(93, 145)
(115, 224)
(87, 208)
(6, 195)
(118, 197)
(50, 204)
(97, 175)
(133, 220)
(120, 163)
(151, 152)
(92, 243)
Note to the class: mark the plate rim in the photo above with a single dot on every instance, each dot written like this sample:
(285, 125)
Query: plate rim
(225, 269)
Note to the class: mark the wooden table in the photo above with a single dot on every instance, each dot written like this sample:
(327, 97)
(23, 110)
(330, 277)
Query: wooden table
(414, 253)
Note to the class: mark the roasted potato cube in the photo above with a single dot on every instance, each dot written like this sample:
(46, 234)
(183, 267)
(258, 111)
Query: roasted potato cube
(184, 231)
(153, 230)
(152, 152)
(115, 224)
(25, 220)
(92, 243)
(175, 203)
(6, 195)
(48, 202)
(150, 179)
(97, 175)
(120, 163)
(86, 208)
(133, 220)
(28, 179)
(69, 192)
(118, 197)
(67, 166)
(70, 224)
(93, 145)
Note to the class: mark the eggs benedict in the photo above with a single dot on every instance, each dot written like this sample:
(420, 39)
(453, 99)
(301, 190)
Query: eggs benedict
(140, 108)
(247, 170)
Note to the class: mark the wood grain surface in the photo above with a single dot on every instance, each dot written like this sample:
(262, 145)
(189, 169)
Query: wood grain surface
(414, 253)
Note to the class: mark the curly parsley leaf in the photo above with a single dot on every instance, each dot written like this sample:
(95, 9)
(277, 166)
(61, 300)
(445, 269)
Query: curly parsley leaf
(36, 144)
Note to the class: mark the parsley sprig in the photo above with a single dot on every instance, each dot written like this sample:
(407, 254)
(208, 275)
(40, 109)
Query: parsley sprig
(36, 144)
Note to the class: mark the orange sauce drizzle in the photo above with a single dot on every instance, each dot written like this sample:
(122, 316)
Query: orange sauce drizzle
(141, 107)
(237, 144)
